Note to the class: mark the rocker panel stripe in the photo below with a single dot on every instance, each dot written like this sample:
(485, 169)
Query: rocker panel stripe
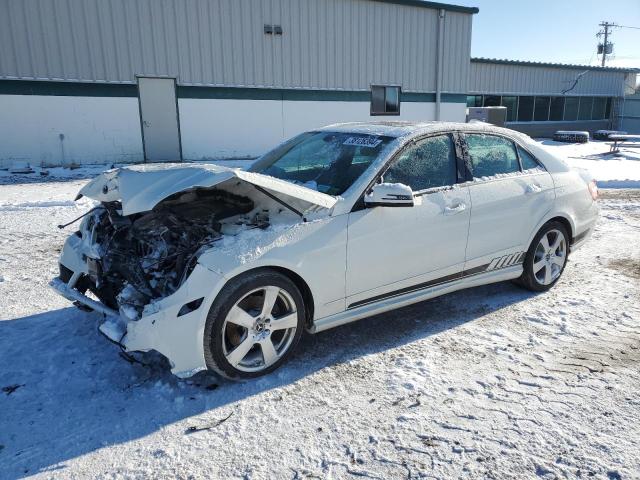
(495, 264)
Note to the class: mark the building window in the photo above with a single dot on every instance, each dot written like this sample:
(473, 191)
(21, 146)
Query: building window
(599, 108)
(571, 108)
(542, 108)
(385, 100)
(556, 109)
(541, 111)
(474, 100)
(586, 105)
(512, 107)
(491, 101)
(525, 109)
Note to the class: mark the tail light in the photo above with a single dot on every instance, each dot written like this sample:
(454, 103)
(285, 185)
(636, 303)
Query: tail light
(593, 189)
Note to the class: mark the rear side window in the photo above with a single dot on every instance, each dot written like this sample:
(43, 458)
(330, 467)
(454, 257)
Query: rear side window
(528, 162)
(429, 163)
(491, 155)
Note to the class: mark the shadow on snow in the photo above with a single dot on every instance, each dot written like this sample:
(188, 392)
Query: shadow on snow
(77, 395)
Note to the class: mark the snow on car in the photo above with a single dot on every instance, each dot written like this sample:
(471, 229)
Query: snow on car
(222, 269)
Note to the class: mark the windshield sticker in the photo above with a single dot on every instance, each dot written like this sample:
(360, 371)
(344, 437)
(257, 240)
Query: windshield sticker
(368, 142)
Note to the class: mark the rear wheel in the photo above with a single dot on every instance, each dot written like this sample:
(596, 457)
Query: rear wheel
(254, 325)
(546, 258)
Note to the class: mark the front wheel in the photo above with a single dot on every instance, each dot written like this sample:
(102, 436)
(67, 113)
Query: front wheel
(253, 325)
(546, 258)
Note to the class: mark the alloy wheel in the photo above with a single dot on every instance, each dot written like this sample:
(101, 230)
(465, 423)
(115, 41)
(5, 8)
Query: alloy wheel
(259, 329)
(549, 257)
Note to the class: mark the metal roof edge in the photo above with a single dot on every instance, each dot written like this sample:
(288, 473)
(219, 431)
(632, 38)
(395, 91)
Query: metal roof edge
(433, 5)
(501, 61)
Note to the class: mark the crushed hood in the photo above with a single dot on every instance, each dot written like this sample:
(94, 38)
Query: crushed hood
(140, 188)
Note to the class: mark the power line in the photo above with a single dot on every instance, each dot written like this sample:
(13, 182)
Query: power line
(627, 26)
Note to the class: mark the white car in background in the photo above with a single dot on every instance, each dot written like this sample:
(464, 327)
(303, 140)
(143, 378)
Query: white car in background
(223, 269)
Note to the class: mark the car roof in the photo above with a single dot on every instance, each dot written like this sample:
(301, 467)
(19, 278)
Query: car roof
(399, 129)
(386, 128)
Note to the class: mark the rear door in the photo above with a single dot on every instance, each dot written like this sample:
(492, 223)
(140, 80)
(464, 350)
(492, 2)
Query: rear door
(510, 194)
(396, 250)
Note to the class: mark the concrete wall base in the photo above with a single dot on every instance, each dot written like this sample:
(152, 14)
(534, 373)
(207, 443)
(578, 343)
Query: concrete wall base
(49, 130)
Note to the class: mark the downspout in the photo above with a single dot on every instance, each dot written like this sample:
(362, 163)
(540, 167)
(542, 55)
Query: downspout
(439, 60)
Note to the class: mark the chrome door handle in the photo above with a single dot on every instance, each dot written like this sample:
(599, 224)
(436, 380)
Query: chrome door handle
(532, 188)
(459, 208)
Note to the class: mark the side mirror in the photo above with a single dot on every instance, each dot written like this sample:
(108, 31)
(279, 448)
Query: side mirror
(389, 195)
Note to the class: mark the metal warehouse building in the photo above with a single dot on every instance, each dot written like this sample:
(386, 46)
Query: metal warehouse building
(107, 81)
(93, 81)
(544, 97)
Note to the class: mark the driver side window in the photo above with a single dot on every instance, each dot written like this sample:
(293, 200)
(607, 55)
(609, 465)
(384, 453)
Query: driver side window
(429, 163)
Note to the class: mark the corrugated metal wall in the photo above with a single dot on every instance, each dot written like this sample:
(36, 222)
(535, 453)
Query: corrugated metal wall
(327, 44)
(629, 116)
(533, 80)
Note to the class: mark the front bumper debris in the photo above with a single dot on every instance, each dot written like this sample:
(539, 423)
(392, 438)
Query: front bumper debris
(114, 328)
(70, 293)
(178, 337)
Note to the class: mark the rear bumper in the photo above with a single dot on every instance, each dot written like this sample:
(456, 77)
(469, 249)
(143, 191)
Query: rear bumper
(585, 229)
(581, 238)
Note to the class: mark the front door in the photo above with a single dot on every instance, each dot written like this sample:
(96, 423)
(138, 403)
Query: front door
(159, 119)
(391, 251)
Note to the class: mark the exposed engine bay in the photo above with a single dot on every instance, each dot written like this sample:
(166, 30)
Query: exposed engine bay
(146, 256)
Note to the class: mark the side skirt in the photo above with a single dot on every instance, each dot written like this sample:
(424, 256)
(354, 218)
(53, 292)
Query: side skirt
(427, 292)
(496, 263)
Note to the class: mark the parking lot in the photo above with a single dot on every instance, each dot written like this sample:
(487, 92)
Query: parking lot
(474, 384)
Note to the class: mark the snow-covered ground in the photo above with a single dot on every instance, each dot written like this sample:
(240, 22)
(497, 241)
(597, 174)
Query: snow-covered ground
(612, 170)
(493, 382)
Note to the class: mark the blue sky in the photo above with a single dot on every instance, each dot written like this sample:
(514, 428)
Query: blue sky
(554, 31)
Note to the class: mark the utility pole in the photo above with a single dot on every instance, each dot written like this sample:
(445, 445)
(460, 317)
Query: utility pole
(605, 46)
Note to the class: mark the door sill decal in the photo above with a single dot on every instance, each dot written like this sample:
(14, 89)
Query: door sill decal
(496, 264)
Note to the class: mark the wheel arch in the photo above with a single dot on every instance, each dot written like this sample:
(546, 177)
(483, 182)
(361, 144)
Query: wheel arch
(302, 285)
(562, 218)
(299, 282)
(567, 224)
(528, 279)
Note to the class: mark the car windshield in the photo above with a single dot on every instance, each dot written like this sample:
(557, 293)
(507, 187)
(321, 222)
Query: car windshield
(328, 162)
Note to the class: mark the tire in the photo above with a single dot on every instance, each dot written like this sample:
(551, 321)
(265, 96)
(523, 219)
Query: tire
(570, 136)
(240, 327)
(543, 267)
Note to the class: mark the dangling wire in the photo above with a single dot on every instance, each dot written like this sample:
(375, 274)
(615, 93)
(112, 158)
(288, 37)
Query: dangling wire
(81, 216)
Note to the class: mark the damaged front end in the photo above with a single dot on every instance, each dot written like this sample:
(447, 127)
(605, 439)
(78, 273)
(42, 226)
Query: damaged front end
(124, 266)
(135, 256)
(147, 256)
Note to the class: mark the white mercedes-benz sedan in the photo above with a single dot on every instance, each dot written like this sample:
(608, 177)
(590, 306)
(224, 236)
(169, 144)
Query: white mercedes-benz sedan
(224, 269)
